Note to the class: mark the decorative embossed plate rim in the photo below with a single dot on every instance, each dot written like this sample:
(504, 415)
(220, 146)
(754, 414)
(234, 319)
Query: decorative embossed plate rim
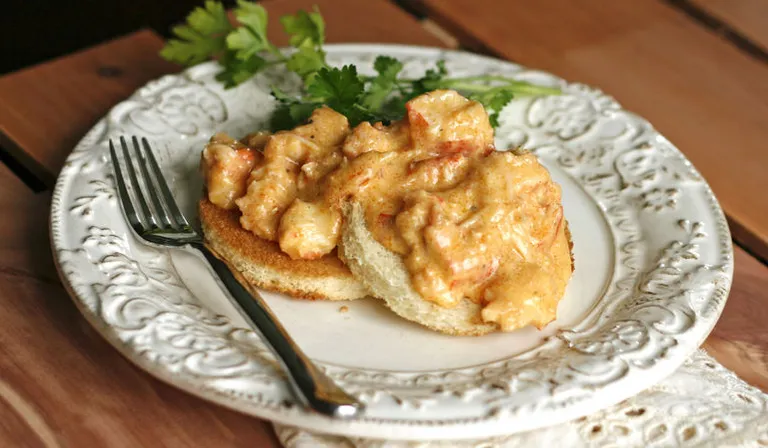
(672, 272)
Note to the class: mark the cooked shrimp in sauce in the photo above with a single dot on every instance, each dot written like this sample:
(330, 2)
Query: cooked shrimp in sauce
(470, 222)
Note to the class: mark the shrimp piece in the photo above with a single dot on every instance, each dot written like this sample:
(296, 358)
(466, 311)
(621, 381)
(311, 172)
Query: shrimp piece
(282, 176)
(376, 138)
(309, 230)
(226, 165)
(445, 122)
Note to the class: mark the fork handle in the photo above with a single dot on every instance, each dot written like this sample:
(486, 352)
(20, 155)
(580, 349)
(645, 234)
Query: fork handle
(313, 387)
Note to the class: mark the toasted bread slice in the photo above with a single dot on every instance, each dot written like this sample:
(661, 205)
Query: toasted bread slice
(262, 264)
(385, 275)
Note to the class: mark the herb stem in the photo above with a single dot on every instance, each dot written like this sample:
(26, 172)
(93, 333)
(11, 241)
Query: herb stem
(470, 84)
(517, 88)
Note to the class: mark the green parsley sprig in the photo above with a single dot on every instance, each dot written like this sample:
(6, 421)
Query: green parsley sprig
(244, 50)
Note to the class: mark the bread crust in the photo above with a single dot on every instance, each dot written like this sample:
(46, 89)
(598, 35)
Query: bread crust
(262, 264)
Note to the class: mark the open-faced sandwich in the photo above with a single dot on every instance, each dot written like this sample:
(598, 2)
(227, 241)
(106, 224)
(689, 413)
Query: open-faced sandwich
(423, 213)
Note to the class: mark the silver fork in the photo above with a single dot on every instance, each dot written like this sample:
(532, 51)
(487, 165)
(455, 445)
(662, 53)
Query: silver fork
(157, 220)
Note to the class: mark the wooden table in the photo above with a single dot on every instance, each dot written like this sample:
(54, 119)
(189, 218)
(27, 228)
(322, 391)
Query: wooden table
(698, 69)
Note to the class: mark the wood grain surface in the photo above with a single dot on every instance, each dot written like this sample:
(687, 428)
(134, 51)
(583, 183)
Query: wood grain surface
(46, 109)
(698, 89)
(354, 21)
(23, 253)
(747, 17)
(62, 385)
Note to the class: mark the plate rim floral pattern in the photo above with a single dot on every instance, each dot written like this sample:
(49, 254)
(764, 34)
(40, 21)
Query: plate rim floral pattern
(665, 296)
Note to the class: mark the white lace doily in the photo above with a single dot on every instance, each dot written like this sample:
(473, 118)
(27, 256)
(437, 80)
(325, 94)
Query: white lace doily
(702, 404)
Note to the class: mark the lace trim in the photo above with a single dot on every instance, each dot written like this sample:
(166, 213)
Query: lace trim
(702, 404)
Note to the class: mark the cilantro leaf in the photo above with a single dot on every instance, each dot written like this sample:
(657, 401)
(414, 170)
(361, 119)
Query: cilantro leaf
(245, 42)
(209, 19)
(431, 79)
(290, 111)
(338, 86)
(438, 74)
(305, 26)
(307, 35)
(237, 70)
(253, 16)
(203, 37)
(393, 108)
(387, 67)
(340, 89)
(306, 60)
(494, 101)
(289, 115)
(250, 38)
(382, 85)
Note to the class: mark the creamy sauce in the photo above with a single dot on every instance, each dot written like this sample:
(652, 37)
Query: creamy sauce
(469, 221)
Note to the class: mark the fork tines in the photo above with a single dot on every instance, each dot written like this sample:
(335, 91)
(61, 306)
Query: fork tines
(160, 212)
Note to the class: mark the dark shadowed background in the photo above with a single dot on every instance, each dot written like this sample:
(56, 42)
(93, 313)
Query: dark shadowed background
(37, 30)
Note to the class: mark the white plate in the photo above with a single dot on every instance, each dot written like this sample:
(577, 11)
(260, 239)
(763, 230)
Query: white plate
(652, 249)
